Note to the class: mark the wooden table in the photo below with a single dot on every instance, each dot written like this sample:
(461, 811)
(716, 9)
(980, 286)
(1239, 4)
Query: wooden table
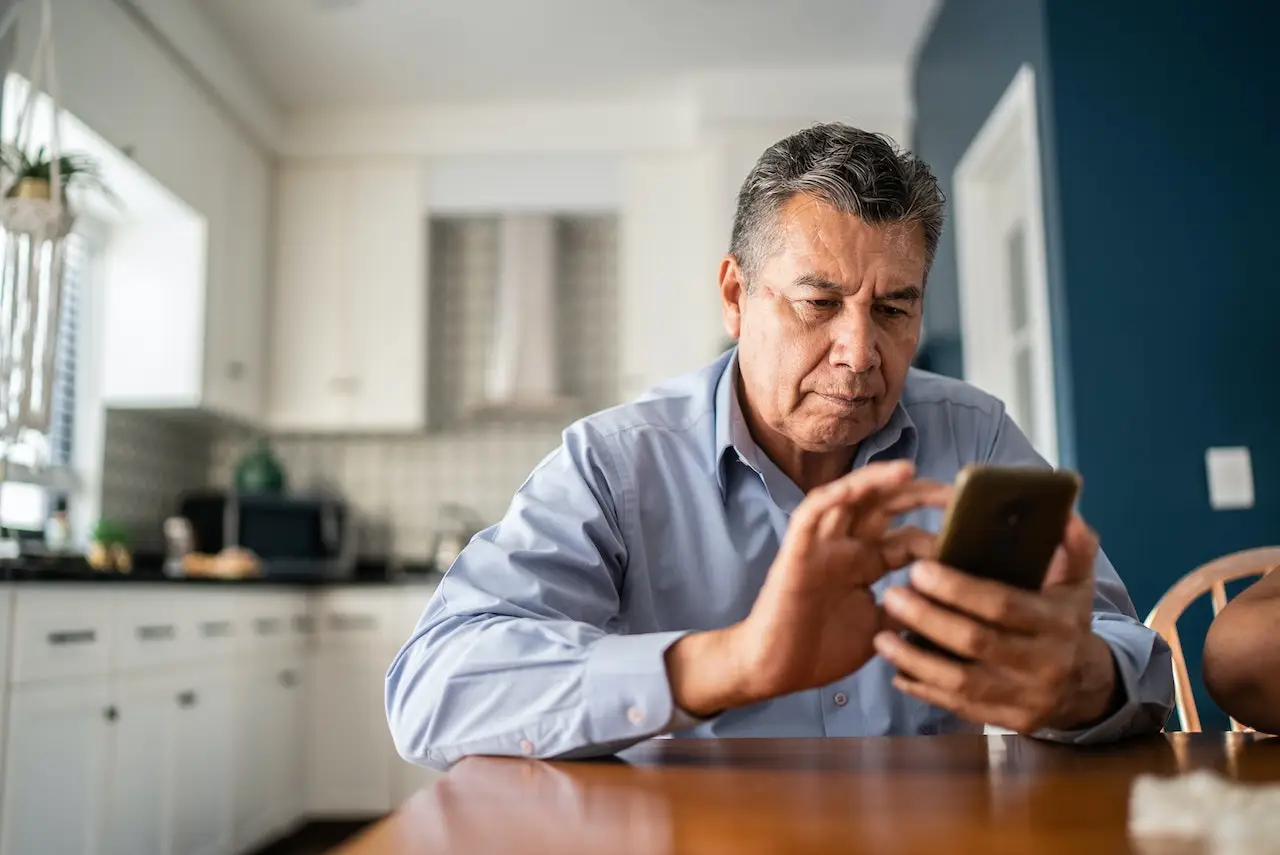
(943, 794)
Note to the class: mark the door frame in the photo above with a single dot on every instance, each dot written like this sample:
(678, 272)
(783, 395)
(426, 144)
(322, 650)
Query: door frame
(1008, 140)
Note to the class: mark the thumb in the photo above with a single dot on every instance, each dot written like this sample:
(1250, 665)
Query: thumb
(1073, 562)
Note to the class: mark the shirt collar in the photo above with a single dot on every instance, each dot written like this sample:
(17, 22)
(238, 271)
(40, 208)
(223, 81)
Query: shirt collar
(897, 440)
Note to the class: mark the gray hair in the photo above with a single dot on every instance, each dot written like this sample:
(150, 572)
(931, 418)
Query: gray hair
(854, 171)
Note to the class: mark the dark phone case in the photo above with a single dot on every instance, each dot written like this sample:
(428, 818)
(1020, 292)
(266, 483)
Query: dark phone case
(1004, 523)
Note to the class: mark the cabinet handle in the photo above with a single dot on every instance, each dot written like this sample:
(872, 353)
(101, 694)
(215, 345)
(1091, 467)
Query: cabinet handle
(111, 713)
(215, 628)
(266, 626)
(187, 699)
(235, 370)
(157, 632)
(288, 679)
(74, 636)
(341, 622)
(304, 624)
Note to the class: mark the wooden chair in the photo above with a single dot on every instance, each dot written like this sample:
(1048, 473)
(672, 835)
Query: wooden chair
(1211, 578)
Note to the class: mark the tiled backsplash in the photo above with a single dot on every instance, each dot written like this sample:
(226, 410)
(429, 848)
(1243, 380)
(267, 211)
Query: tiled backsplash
(397, 483)
(147, 460)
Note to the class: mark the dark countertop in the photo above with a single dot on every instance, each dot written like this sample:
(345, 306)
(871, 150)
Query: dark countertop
(149, 570)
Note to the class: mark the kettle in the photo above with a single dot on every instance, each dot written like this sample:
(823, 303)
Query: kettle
(455, 526)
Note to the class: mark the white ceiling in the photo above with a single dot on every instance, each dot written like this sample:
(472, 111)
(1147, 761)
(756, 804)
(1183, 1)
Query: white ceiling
(344, 52)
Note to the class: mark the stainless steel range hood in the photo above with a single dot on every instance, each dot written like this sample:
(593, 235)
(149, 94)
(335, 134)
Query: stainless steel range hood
(522, 375)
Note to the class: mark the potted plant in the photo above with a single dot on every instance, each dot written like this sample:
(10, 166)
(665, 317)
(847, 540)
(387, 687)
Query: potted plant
(32, 175)
(110, 548)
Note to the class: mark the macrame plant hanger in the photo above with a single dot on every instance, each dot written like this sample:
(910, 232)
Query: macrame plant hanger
(32, 252)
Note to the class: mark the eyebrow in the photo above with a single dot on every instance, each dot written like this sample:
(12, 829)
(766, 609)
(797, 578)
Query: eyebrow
(908, 293)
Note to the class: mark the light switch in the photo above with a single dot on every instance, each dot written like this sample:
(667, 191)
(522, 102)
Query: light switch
(1230, 474)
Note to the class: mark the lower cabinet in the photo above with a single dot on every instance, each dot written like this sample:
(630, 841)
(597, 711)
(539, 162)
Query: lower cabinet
(55, 771)
(189, 752)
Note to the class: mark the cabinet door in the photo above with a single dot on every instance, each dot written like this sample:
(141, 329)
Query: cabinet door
(288, 713)
(348, 754)
(310, 383)
(202, 765)
(55, 768)
(255, 754)
(138, 796)
(385, 237)
(235, 331)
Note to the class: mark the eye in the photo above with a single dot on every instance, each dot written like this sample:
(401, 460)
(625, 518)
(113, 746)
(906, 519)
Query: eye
(892, 311)
(824, 305)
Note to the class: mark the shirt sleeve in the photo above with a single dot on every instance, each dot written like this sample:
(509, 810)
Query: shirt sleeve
(1144, 664)
(520, 651)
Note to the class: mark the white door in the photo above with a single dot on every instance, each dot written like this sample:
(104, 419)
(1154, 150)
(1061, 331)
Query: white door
(1004, 295)
(55, 768)
(203, 765)
(139, 799)
(348, 756)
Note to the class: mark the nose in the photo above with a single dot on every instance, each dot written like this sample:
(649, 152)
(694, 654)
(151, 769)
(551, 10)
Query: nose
(853, 343)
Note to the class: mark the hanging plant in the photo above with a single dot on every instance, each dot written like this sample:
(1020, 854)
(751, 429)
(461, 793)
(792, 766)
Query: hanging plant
(31, 177)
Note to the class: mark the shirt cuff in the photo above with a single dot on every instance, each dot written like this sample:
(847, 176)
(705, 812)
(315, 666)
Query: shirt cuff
(628, 693)
(1119, 723)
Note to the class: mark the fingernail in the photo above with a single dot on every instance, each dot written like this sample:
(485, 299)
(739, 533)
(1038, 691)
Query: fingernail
(922, 572)
(895, 599)
(884, 641)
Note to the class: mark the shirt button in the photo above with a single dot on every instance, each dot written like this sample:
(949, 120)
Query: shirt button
(635, 715)
(841, 699)
(526, 747)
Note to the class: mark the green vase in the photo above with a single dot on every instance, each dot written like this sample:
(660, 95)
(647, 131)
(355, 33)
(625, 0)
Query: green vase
(259, 471)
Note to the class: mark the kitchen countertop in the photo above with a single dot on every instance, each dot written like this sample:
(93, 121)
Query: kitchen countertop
(149, 571)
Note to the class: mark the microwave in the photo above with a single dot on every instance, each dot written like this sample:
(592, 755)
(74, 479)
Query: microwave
(292, 536)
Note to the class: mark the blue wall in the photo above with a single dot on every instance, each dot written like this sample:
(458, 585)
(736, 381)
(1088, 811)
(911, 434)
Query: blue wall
(1160, 136)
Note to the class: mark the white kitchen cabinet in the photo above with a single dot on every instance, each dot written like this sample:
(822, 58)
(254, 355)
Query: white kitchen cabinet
(55, 768)
(348, 341)
(139, 795)
(235, 330)
(289, 710)
(6, 605)
(268, 779)
(202, 764)
(348, 759)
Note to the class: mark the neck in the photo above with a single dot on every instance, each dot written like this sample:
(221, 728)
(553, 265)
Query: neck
(806, 469)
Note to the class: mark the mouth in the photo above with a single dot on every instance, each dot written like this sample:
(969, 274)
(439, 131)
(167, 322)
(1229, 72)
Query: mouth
(848, 402)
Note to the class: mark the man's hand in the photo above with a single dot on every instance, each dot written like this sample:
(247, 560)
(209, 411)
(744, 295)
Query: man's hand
(815, 617)
(1035, 660)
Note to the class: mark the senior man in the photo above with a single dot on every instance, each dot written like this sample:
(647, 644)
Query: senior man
(735, 553)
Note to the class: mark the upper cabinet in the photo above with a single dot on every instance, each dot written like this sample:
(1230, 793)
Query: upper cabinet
(347, 342)
(186, 257)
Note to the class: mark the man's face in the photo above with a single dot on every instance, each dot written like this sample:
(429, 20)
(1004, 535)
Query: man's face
(830, 327)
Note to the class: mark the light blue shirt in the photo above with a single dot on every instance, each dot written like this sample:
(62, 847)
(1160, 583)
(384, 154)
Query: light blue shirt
(546, 637)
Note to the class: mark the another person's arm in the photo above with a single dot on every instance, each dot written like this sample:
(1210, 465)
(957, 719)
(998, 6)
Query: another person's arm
(1242, 656)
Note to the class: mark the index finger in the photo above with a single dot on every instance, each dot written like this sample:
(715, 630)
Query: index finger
(921, 493)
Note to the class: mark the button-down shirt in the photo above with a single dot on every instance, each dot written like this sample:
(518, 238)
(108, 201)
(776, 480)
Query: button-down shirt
(547, 635)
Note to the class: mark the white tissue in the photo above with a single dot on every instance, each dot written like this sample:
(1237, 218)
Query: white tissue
(1228, 816)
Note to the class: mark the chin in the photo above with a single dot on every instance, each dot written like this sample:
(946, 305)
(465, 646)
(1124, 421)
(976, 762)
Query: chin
(835, 435)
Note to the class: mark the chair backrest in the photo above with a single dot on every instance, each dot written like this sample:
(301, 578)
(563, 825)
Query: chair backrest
(1211, 579)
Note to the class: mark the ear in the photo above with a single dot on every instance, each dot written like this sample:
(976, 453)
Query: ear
(733, 292)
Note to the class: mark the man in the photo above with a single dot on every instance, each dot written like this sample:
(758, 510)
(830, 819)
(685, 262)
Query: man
(720, 557)
(1242, 656)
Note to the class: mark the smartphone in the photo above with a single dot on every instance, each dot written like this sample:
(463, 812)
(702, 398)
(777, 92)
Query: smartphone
(1005, 523)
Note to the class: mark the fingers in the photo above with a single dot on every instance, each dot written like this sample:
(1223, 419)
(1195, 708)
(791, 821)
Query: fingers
(957, 632)
(903, 545)
(921, 493)
(861, 486)
(971, 681)
(993, 602)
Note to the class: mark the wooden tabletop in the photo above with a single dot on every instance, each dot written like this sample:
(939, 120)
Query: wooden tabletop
(942, 794)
